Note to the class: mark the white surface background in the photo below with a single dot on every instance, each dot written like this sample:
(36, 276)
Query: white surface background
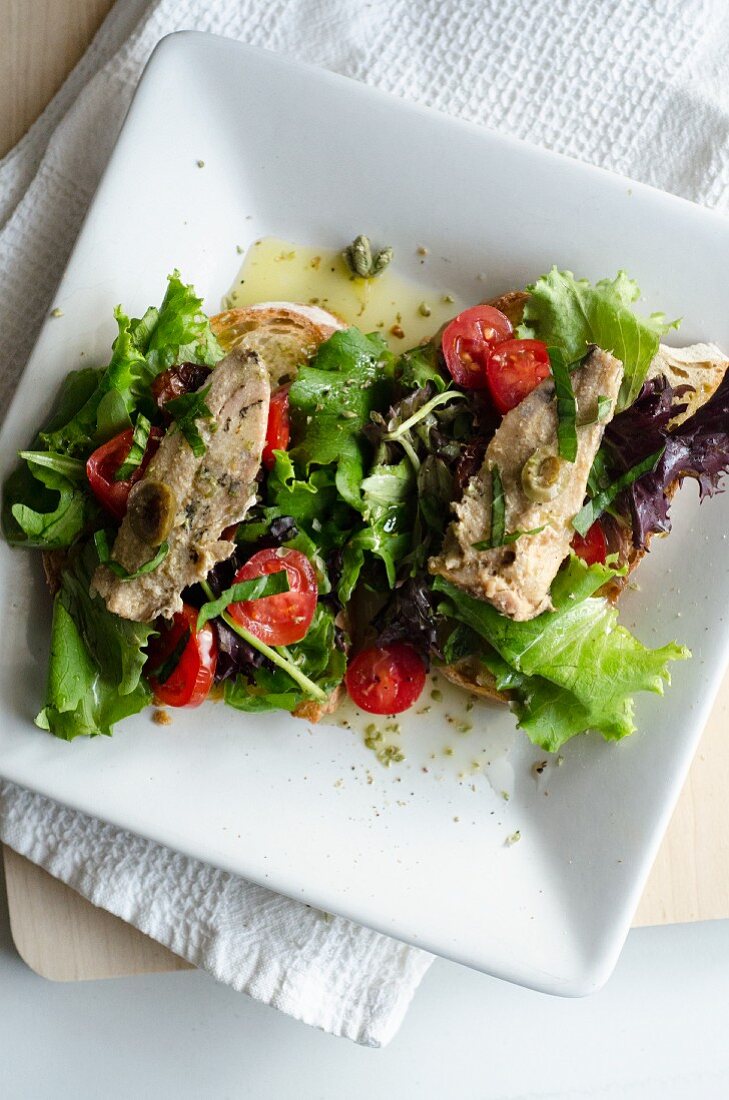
(656, 1032)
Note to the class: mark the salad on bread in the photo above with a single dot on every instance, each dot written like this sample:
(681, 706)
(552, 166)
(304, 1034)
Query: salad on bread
(272, 507)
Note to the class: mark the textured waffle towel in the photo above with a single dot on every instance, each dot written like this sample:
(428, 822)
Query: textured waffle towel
(634, 85)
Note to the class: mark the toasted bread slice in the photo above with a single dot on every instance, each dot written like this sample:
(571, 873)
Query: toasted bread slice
(284, 334)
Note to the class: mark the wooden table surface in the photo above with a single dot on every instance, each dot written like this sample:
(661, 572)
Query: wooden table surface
(62, 935)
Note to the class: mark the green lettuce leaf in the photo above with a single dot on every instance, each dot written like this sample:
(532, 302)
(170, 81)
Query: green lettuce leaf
(43, 508)
(572, 314)
(331, 401)
(96, 661)
(580, 667)
(419, 366)
(317, 657)
(177, 332)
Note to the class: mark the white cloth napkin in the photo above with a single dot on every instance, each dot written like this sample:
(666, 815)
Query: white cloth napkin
(634, 85)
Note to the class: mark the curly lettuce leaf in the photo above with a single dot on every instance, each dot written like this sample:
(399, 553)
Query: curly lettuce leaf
(331, 401)
(572, 314)
(581, 668)
(177, 332)
(96, 660)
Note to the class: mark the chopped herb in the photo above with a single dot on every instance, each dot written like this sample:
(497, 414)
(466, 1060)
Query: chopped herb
(255, 589)
(186, 410)
(101, 541)
(499, 536)
(172, 660)
(604, 404)
(594, 508)
(136, 452)
(566, 405)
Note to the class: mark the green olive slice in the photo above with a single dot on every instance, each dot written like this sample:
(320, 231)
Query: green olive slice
(543, 476)
(151, 511)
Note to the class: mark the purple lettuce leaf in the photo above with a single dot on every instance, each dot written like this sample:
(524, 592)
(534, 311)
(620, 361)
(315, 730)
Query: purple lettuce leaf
(698, 448)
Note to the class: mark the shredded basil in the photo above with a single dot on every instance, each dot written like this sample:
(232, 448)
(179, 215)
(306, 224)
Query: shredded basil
(172, 660)
(186, 410)
(136, 452)
(255, 589)
(604, 404)
(594, 508)
(499, 535)
(101, 541)
(566, 405)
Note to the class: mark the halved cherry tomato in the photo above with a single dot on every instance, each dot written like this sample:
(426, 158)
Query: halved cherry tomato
(286, 617)
(467, 341)
(592, 547)
(386, 679)
(188, 682)
(103, 464)
(513, 369)
(278, 431)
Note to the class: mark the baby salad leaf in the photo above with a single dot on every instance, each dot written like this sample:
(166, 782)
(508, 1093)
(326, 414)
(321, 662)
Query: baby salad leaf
(419, 366)
(578, 649)
(96, 660)
(42, 507)
(388, 508)
(317, 656)
(572, 314)
(331, 401)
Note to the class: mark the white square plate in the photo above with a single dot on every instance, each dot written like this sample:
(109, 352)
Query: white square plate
(417, 851)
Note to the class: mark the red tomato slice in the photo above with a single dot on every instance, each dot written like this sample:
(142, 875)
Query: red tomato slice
(467, 340)
(513, 370)
(285, 618)
(386, 679)
(278, 431)
(189, 681)
(592, 547)
(103, 464)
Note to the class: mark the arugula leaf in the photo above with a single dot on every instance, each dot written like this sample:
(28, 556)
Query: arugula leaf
(136, 452)
(566, 405)
(186, 410)
(255, 589)
(96, 660)
(594, 508)
(331, 401)
(582, 668)
(316, 656)
(572, 314)
(101, 542)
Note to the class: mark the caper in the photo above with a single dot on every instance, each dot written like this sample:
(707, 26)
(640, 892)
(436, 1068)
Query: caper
(543, 475)
(151, 510)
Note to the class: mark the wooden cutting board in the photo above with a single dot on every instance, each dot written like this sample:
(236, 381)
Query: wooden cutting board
(63, 937)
